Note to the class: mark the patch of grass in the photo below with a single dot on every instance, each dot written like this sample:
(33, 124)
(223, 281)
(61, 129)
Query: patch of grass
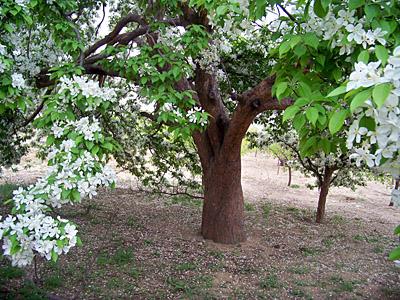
(9, 272)
(30, 291)
(134, 272)
(266, 210)
(310, 251)
(328, 242)
(338, 220)
(301, 294)
(185, 200)
(102, 259)
(194, 286)
(270, 282)
(378, 249)
(300, 270)
(177, 285)
(133, 222)
(368, 238)
(6, 191)
(249, 206)
(148, 242)
(53, 282)
(391, 292)
(217, 254)
(204, 281)
(294, 186)
(298, 213)
(359, 237)
(115, 283)
(122, 257)
(186, 266)
(343, 285)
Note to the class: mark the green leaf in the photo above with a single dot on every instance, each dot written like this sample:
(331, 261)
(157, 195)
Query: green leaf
(319, 9)
(89, 144)
(397, 230)
(337, 120)
(284, 47)
(300, 50)
(325, 145)
(363, 56)
(382, 54)
(371, 11)
(281, 88)
(307, 145)
(380, 93)
(221, 10)
(302, 101)
(54, 255)
(65, 194)
(79, 241)
(338, 91)
(395, 254)
(353, 4)
(312, 115)
(311, 39)
(95, 149)
(299, 121)
(294, 41)
(290, 112)
(108, 146)
(50, 140)
(359, 99)
(305, 90)
(76, 195)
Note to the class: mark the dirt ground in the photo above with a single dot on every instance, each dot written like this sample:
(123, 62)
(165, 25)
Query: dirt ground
(141, 246)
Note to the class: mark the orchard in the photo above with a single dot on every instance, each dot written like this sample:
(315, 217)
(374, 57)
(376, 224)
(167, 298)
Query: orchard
(169, 88)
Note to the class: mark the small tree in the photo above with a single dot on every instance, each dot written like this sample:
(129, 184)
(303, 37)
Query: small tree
(334, 169)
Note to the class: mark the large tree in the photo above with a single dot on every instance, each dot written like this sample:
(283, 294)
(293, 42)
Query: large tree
(205, 68)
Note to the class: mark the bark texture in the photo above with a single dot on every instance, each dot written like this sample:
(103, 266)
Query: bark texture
(219, 150)
(223, 214)
(323, 194)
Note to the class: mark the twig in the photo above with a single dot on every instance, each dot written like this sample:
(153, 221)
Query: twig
(287, 13)
(102, 19)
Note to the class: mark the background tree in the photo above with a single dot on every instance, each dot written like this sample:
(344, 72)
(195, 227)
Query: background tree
(334, 169)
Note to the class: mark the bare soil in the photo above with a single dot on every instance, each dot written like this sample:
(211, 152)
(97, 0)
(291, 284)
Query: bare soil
(141, 246)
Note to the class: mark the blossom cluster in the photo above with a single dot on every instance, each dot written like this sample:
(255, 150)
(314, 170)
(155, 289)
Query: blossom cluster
(70, 177)
(195, 115)
(378, 146)
(31, 52)
(75, 172)
(345, 30)
(90, 89)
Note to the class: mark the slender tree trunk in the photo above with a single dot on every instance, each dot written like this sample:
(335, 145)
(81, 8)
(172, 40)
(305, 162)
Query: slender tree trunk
(290, 176)
(323, 193)
(396, 187)
(223, 213)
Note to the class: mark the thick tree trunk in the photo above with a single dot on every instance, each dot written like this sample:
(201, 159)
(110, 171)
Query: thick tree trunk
(323, 193)
(223, 213)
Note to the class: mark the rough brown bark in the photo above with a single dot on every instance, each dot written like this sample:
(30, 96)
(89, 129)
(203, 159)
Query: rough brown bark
(223, 214)
(324, 190)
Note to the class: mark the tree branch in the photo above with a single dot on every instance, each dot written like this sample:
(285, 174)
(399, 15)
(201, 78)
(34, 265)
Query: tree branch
(114, 33)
